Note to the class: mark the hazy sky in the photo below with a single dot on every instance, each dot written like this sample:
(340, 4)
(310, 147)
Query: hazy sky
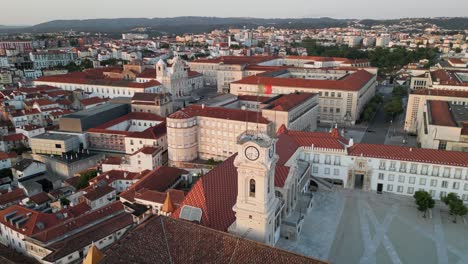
(27, 12)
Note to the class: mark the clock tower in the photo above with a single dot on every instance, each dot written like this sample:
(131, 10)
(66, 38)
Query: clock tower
(256, 204)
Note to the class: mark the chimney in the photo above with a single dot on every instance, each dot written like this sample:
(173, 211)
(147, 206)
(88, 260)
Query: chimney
(350, 142)
(203, 106)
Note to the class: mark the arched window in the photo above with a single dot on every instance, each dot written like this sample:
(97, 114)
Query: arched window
(252, 188)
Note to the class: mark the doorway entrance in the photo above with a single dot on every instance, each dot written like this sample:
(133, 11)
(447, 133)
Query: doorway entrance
(379, 188)
(358, 181)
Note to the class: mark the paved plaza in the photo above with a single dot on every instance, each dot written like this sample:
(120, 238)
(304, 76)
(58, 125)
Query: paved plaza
(348, 226)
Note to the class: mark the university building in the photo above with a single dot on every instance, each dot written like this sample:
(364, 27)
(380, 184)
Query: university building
(342, 93)
(262, 191)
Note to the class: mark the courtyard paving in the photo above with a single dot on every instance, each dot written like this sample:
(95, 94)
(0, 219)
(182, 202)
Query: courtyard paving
(349, 226)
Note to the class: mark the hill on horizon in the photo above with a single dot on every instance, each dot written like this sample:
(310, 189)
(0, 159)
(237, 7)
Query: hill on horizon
(195, 24)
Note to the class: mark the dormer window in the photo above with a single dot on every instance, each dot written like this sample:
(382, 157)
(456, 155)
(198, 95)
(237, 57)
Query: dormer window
(252, 188)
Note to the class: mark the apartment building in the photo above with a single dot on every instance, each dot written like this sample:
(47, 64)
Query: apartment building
(49, 59)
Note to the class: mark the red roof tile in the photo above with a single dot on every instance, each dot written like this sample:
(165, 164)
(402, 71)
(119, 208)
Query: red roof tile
(352, 82)
(31, 226)
(14, 196)
(434, 156)
(220, 113)
(440, 114)
(160, 179)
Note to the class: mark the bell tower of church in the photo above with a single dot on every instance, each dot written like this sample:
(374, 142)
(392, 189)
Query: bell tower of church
(256, 204)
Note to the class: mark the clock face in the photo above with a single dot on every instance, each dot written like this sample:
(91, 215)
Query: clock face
(252, 153)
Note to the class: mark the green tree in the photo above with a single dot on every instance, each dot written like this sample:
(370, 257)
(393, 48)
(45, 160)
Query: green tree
(458, 50)
(457, 208)
(449, 198)
(85, 177)
(424, 201)
(400, 91)
(394, 107)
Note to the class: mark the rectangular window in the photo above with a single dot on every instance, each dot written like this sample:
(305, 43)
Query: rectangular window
(402, 167)
(410, 190)
(456, 185)
(446, 172)
(432, 193)
(458, 173)
(444, 184)
(401, 178)
(422, 181)
(466, 187)
(433, 183)
(327, 171)
(315, 169)
(400, 189)
(390, 188)
(381, 176)
(336, 172)
(392, 165)
(391, 177)
(382, 165)
(424, 170)
(412, 179)
(443, 194)
(435, 171)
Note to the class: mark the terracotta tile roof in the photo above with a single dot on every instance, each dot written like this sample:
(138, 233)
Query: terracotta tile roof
(114, 175)
(220, 113)
(165, 240)
(92, 101)
(192, 74)
(215, 194)
(155, 132)
(147, 97)
(352, 82)
(148, 150)
(95, 77)
(149, 73)
(160, 179)
(78, 222)
(31, 226)
(14, 137)
(177, 196)
(86, 237)
(64, 102)
(440, 114)
(75, 211)
(112, 161)
(431, 156)
(40, 198)
(15, 195)
(44, 102)
(326, 140)
(440, 92)
(30, 127)
(240, 60)
(289, 101)
(94, 192)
